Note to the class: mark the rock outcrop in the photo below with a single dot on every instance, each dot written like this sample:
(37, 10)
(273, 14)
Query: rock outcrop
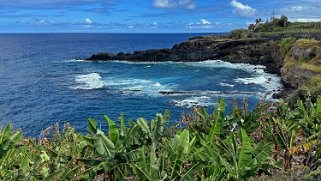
(253, 51)
(301, 68)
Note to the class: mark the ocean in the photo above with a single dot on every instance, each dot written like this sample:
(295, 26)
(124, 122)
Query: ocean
(44, 79)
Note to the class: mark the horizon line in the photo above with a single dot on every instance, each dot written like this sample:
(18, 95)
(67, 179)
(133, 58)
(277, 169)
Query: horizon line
(58, 32)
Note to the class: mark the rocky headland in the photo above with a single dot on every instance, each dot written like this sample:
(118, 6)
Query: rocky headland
(296, 60)
(250, 50)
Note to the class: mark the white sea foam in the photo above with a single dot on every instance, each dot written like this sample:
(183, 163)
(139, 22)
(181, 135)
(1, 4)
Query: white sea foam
(226, 85)
(137, 86)
(136, 62)
(271, 83)
(207, 63)
(157, 84)
(207, 99)
(89, 81)
(194, 101)
(222, 64)
(252, 80)
(75, 60)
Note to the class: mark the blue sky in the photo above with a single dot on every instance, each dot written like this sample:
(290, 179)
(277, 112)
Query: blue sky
(146, 16)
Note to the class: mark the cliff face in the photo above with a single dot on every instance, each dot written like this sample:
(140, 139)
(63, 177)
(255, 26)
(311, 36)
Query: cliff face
(253, 51)
(302, 68)
(302, 62)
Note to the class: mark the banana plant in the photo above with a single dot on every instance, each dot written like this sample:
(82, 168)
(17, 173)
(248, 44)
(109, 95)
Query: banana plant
(309, 116)
(216, 146)
(282, 133)
(123, 147)
(236, 157)
(9, 141)
(9, 152)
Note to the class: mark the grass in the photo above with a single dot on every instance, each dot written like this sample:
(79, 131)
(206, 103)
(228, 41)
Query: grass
(311, 82)
(285, 45)
(304, 27)
(276, 27)
(292, 27)
(303, 65)
(314, 85)
(304, 43)
(308, 62)
(310, 67)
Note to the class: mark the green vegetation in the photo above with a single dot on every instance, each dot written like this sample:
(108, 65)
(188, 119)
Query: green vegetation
(272, 25)
(305, 53)
(283, 25)
(302, 51)
(312, 89)
(285, 45)
(304, 43)
(278, 27)
(270, 141)
(238, 34)
(301, 67)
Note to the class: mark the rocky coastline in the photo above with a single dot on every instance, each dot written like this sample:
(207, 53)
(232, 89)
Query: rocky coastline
(252, 51)
(271, 53)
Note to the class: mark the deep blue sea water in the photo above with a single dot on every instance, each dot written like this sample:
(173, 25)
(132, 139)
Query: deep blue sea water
(43, 80)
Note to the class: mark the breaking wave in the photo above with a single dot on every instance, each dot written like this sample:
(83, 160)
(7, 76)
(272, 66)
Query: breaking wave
(89, 81)
(137, 86)
(194, 102)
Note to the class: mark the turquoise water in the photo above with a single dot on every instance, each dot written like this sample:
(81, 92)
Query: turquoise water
(44, 79)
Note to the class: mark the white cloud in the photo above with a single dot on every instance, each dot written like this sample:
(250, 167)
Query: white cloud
(130, 26)
(163, 4)
(166, 4)
(204, 22)
(52, 4)
(298, 8)
(188, 4)
(302, 12)
(242, 9)
(306, 20)
(88, 21)
(42, 22)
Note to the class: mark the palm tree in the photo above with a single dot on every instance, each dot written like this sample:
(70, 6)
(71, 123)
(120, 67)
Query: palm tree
(284, 19)
(258, 21)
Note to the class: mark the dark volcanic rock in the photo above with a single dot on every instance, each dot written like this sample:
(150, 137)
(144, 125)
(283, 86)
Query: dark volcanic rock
(253, 51)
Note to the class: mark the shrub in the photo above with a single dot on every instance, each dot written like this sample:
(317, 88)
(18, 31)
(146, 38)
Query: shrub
(239, 34)
(285, 45)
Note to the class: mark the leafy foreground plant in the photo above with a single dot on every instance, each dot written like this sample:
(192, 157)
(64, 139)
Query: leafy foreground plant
(270, 140)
